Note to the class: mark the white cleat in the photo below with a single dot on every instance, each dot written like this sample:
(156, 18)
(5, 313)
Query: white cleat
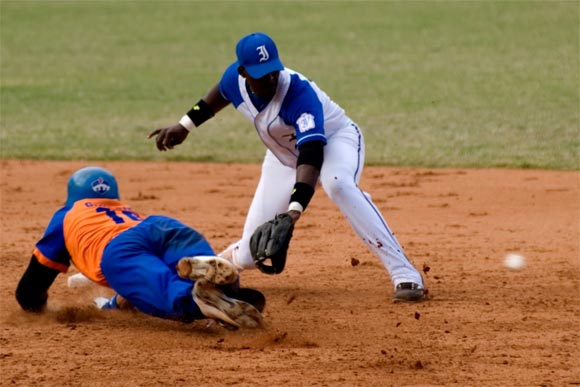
(230, 253)
(78, 280)
(214, 304)
(409, 292)
(217, 270)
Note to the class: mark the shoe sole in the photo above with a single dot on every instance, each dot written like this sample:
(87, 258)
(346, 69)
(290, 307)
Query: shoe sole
(409, 295)
(214, 304)
(251, 296)
(218, 270)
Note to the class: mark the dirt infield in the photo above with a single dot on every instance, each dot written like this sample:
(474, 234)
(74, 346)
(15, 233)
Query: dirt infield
(330, 318)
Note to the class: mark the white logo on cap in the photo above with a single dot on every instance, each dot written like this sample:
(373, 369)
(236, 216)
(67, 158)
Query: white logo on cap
(264, 56)
(100, 186)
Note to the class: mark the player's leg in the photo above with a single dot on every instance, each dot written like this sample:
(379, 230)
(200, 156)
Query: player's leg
(340, 174)
(216, 291)
(141, 265)
(271, 197)
(141, 277)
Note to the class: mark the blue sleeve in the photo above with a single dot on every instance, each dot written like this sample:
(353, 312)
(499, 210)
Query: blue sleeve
(303, 110)
(52, 245)
(228, 85)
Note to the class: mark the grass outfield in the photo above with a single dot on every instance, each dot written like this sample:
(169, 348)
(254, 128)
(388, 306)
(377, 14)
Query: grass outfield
(435, 84)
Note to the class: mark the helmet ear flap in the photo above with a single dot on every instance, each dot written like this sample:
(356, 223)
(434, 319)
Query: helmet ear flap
(91, 183)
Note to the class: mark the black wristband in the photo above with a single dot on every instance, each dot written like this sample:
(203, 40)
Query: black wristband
(200, 113)
(302, 193)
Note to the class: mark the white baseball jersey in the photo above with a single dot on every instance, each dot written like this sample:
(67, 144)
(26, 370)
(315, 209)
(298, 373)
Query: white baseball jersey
(299, 112)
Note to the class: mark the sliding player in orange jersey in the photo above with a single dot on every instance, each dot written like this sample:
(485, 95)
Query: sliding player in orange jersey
(157, 264)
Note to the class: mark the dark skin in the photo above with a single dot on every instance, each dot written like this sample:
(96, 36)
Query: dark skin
(265, 88)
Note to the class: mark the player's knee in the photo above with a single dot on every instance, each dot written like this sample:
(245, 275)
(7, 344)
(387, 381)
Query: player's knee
(337, 187)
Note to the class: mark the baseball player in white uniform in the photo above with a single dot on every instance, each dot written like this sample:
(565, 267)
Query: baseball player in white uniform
(309, 138)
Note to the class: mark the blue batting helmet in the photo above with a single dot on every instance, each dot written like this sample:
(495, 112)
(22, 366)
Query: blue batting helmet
(91, 183)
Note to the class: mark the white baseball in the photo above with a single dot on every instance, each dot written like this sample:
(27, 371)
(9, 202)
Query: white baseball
(514, 261)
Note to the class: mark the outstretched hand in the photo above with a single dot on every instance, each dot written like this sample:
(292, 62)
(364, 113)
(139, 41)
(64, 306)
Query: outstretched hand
(167, 138)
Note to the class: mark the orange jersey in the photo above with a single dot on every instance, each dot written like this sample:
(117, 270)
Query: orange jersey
(80, 234)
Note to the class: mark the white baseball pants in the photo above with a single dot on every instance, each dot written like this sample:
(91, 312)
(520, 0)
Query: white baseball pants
(340, 175)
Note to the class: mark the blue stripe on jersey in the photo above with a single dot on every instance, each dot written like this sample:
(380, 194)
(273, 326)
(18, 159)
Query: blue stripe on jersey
(52, 245)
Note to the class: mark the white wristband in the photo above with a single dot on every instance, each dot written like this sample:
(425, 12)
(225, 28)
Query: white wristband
(295, 206)
(187, 123)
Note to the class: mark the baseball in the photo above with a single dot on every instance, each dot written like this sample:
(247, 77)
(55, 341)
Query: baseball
(514, 261)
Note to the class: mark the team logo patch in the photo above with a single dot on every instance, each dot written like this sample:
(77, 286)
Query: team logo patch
(100, 186)
(305, 122)
(264, 55)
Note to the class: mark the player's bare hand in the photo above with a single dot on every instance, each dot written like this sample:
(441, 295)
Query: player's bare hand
(167, 138)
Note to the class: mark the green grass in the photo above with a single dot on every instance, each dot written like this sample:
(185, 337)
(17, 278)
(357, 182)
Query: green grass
(435, 84)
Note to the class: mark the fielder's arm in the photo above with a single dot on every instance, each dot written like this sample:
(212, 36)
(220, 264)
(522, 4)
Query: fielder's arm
(309, 163)
(203, 110)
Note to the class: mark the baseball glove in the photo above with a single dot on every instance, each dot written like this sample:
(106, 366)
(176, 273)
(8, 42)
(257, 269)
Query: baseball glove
(270, 241)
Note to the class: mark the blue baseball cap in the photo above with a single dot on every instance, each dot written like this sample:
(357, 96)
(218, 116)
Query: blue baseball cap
(258, 54)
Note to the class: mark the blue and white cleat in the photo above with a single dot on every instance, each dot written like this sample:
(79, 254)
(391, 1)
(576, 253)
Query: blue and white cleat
(115, 302)
(107, 303)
